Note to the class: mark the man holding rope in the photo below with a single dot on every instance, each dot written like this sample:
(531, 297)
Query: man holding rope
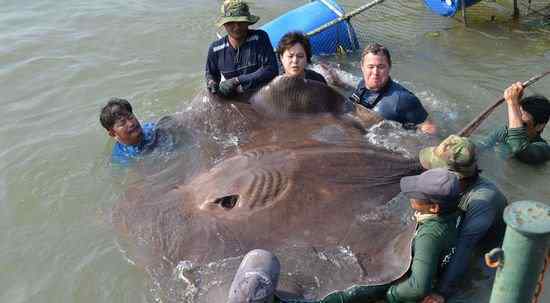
(527, 118)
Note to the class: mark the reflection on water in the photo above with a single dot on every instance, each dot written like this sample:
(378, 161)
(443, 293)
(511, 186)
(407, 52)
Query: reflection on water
(61, 60)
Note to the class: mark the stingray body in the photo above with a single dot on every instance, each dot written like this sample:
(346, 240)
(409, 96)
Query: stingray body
(300, 179)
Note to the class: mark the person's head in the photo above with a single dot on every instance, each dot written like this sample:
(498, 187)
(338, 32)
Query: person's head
(294, 50)
(435, 191)
(375, 65)
(119, 121)
(455, 153)
(535, 111)
(235, 18)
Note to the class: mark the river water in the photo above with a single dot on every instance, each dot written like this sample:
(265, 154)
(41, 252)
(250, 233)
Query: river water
(61, 60)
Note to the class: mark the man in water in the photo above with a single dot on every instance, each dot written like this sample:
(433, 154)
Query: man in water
(244, 57)
(527, 118)
(132, 139)
(481, 201)
(433, 195)
(377, 91)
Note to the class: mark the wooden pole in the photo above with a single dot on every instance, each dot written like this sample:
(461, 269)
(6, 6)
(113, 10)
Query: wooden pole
(344, 17)
(474, 124)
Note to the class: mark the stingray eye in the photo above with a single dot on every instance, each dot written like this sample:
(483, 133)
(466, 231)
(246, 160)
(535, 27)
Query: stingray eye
(227, 202)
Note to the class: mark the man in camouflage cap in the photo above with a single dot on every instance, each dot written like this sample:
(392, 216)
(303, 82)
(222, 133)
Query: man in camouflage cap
(482, 203)
(235, 11)
(456, 153)
(243, 60)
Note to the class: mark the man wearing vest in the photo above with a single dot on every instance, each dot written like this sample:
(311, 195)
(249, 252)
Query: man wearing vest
(377, 91)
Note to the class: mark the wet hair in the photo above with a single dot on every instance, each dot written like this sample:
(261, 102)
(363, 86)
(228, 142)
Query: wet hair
(292, 38)
(538, 106)
(376, 49)
(115, 109)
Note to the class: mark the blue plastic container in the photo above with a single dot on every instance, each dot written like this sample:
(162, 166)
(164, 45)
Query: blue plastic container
(448, 8)
(309, 17)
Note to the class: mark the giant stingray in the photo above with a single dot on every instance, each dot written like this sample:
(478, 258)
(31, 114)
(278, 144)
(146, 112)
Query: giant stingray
(289, 170)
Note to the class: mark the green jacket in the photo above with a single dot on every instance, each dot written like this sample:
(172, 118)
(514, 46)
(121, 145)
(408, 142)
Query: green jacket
(485, 191)
(517, 143)
(432, 243)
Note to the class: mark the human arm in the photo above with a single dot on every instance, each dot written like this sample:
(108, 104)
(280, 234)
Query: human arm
(268, 65)
(427, 250)
(333, 78)
(412, 112)
(496, 136)
(428, 127)
(212, 72)
(512, 95)
(517, 141)
(354, 294)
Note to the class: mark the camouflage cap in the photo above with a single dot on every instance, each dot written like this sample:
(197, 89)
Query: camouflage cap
(235, 11)
(455, 153)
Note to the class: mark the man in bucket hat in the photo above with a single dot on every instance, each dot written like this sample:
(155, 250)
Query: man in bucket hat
(243, 60)
(482, 203)
(433, 195)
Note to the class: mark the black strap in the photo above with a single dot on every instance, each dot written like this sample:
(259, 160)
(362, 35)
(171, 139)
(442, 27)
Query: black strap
(357, 98)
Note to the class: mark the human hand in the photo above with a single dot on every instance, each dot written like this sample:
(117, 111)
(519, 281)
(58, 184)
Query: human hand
(433, 298)
(513, 93)
(331, 75)
(228, 87)
(212, 86)
(428, 127)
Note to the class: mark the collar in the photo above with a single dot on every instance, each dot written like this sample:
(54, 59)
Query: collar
(421, 218)
(384, 88)
(147, 137)
(249, 37)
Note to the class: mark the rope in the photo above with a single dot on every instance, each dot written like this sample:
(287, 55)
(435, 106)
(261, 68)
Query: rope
(344, 17)
(540, 283)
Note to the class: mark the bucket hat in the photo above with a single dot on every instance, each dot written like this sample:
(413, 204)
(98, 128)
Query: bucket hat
(235, 11)
(455, 153)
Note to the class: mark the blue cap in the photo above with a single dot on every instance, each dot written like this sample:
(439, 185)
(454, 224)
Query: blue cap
(436, 185)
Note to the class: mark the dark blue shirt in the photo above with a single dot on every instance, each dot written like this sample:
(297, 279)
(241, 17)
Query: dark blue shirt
(254, 62)
(123, 153)
(392, 102)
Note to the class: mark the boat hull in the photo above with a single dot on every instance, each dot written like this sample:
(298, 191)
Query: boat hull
(311, 16)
